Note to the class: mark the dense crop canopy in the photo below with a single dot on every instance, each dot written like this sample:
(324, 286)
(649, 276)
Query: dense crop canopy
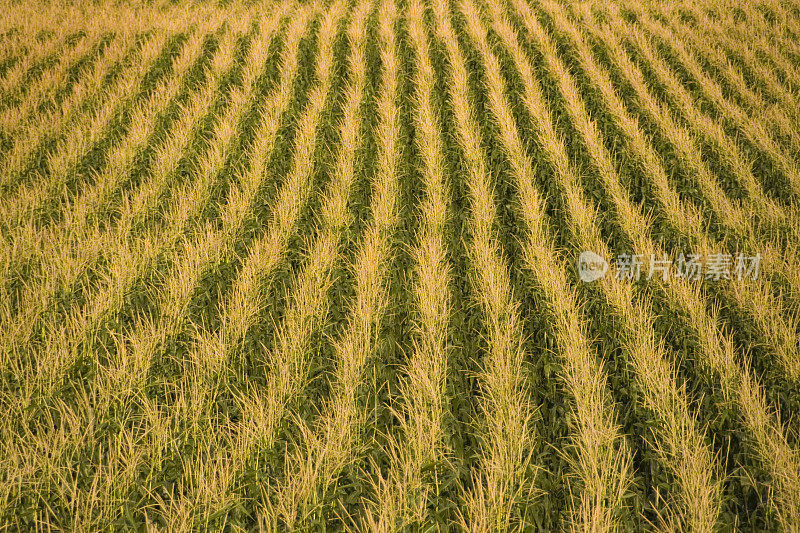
(400, 265)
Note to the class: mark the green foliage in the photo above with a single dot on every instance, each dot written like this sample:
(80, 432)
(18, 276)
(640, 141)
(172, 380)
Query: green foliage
(47, 410)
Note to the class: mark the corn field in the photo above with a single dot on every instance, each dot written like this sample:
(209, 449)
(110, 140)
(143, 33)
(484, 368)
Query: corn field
(317, 266)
